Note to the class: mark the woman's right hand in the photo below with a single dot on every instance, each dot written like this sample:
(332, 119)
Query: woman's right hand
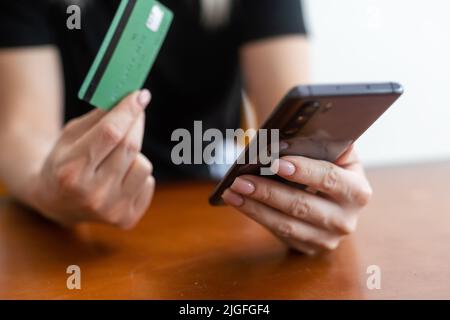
(96, 171)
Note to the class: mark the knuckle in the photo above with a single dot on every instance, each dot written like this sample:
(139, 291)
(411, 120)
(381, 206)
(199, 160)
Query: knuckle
(300, 207)
(67, 177)
(364, 195)
(265, 193)
(307, 171)
(330, 178)
(130, 106)
(110, 133)
(132, 146)
(94, 204)
(285, 230)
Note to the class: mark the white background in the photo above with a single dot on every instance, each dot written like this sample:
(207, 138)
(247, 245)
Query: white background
(390, 40)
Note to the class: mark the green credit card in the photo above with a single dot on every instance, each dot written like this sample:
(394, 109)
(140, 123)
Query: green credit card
(128, 52)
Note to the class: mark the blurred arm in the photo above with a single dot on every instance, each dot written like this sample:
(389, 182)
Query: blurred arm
(271, 67)
(30, 113)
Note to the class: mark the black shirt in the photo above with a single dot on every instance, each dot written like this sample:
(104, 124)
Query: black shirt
(195, 77)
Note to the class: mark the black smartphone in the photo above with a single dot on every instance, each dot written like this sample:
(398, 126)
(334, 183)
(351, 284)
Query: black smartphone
(316, 121)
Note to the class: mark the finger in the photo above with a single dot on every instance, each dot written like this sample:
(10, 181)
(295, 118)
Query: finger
(140, 204)
(340, 184)
(120, 159)
(350, 161)
(137, 175)
(143, 199)
(349, 156)
(280, 224)
(75, 128)
(299, 204)
(104, 137)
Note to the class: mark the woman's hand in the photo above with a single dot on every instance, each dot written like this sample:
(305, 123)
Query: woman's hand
(307, 222)
(95, 171)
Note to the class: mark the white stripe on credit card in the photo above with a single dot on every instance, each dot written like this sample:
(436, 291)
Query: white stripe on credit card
(155, 18)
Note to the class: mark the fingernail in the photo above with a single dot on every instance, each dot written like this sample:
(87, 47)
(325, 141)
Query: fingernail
(283, 168)
(232, 198)
(144, 98)
(243, 186)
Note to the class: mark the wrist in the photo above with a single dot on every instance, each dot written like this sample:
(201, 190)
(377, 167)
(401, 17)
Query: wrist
(32, 193)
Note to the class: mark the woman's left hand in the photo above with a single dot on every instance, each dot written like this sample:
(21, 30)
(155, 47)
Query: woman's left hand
(307, 222)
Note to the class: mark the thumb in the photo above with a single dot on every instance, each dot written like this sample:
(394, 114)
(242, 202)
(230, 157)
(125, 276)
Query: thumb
(79, 126)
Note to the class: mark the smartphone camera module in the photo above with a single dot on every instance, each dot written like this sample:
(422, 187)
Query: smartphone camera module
(305, 113)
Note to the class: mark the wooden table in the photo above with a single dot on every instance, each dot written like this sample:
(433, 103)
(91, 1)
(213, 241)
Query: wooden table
(184, 249)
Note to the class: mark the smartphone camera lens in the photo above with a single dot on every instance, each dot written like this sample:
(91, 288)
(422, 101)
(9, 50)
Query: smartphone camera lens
(310, 109)
(301, 120)
(302, 117)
